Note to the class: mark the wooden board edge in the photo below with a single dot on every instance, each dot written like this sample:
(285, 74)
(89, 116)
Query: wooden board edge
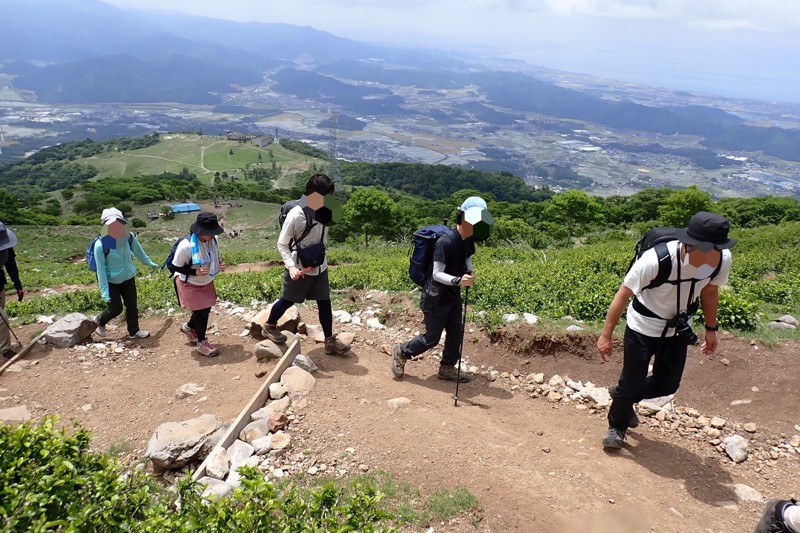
(256, 402)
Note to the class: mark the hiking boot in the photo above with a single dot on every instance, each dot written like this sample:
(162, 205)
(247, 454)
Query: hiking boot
(450, 373)
(772, 517)
(207, 349)
(634, 421)
(141, 334)
(333, 346)
(271, 332)
(189, 332)
(398, 361)
(613, 439)
(8, 353)
(101, 331)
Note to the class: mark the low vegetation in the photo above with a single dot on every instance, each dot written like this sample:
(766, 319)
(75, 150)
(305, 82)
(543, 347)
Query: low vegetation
(52, 481)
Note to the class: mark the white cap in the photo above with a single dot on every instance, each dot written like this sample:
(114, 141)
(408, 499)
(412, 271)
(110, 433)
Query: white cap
(110, 215)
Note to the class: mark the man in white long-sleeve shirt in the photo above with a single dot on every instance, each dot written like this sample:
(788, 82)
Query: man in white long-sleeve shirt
(301, 283)
(441, 298)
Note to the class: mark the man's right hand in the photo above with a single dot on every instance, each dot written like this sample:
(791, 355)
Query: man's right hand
(467, 280)
(295, 273)
(605, 345)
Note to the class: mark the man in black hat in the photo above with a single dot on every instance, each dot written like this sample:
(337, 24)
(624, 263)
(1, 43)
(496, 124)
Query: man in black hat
(659, 317)
(8, 262)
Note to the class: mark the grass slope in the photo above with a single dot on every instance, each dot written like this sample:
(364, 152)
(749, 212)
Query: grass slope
(202, 155)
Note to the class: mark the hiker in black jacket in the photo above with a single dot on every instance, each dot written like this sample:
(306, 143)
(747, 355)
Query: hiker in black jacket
(8, 263)
(441, 298)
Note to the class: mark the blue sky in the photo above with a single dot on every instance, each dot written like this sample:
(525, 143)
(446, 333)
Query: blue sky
(740, 48)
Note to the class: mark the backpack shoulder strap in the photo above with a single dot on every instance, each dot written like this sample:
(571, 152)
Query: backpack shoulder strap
(309, 224)
(719, 265)
(664, 266)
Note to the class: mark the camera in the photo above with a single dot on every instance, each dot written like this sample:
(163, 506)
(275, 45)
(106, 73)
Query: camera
(684, 330)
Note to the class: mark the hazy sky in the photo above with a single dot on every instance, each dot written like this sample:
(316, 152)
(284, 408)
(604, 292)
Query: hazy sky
(748, 48)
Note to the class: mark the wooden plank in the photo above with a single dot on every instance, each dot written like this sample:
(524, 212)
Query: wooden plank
(22, 353)
(256, 402)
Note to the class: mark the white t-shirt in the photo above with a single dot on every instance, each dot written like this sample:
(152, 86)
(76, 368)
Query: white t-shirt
(183, 257)
(662, 300)
(293, 227)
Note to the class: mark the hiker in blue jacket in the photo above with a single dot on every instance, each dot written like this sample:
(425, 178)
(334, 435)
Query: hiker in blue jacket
(441, 298)
(116, 273)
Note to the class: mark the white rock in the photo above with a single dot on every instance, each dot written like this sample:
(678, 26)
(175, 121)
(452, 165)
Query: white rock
(218, 463)
(281, 440)
(356, 320)
(215, 488)
(277, 391)
(530, 318)
(510, 317)
(305, 362)
(187, 389)
(15, 414)
(239, 452)
(342, 316)
(788, 319)
(746, 493)
(737, 447)
(556, 382)
(573, 328)
(599, 395)
(396, 403)
(277, 406)
(298, 382)
(374, 324)
(718, 422)
(262, 445)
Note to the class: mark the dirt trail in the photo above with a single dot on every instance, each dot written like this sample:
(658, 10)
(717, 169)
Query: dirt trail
(535, 466)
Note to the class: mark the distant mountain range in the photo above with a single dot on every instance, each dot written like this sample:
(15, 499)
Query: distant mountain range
(91, 52)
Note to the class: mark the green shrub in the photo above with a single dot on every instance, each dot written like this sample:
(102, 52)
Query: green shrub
(138, 223)
(51, 481)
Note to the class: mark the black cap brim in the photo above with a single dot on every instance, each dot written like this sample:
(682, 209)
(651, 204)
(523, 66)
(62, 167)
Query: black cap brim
(684, 237)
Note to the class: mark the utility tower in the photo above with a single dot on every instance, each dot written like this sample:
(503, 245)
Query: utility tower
(334, 172)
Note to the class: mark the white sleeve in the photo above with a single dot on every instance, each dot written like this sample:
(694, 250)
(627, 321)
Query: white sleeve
(643, 271)
(725, 270)
(440, 275)
(183, 254)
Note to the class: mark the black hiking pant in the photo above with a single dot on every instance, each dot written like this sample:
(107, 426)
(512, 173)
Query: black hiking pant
(440, 316)
(120, 293)
(634, 383)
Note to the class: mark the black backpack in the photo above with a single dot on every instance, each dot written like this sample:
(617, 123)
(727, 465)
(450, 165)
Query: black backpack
(658, 238)
(285, 208)
(168, 262)
(421, 262)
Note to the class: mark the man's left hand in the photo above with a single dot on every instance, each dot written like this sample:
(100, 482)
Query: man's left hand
(709, 345)
(20, 294)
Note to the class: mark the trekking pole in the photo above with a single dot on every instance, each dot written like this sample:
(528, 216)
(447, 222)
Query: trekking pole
(461, 347)
(3, 316)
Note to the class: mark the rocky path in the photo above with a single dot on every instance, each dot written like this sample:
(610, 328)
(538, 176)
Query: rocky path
(535, 464)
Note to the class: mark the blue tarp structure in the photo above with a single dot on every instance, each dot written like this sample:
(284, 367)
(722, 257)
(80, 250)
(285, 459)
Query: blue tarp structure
(185, 208)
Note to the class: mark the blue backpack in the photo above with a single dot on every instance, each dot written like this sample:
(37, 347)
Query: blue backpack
(422, 254)
(91, 261)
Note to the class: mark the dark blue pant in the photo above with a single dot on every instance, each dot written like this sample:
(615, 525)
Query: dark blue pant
(438, 317)
(634, 383)
(119, 293)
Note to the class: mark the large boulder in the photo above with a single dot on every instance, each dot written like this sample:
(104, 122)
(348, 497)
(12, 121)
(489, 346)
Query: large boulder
(70, 331)
(289, 321)
(176, 444)
(298, 382)
(268, 349)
